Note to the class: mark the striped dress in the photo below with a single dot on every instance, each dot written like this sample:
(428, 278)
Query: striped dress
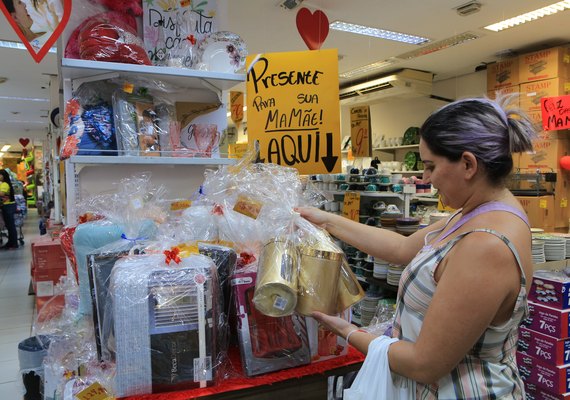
(489, 370)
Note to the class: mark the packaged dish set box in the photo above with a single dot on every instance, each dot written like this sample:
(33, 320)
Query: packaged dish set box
(548, 349)
(550, 288)
(544, 64)
(547, 320)
(503, 74)
(553, 379)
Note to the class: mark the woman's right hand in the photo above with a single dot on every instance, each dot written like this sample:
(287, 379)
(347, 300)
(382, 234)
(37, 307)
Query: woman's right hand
(314, 215)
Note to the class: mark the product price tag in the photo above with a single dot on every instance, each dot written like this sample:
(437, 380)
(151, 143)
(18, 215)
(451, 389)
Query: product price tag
(94, 392)
(564, 203)
(351, 207)
(542, 203)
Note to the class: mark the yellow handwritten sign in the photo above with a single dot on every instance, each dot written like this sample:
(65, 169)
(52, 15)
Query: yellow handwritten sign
(293, 109)
(94, 392)
(360, 131)
(542, 203)
(351, 207)
(563, 202)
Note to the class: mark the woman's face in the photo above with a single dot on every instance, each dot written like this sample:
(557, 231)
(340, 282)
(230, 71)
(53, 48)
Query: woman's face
(443, 175)
(21, 14)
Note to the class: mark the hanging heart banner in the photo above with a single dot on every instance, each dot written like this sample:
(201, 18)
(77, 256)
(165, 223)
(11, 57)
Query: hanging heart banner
(37, 24)
(313, 27)
(24, 141)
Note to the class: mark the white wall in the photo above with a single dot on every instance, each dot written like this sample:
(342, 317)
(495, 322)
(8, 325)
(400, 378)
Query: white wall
(393, 116)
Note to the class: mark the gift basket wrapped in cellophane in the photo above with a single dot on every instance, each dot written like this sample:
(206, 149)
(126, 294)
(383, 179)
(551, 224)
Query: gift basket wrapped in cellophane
(129, 215)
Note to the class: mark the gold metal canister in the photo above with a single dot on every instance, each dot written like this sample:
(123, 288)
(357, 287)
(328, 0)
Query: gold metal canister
(318, 279)
(277, 275)
(349, 290)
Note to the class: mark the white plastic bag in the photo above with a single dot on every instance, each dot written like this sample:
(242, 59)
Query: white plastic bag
(375, 381)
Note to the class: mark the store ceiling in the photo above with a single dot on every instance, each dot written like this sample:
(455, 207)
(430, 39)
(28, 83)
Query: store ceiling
(267, 27)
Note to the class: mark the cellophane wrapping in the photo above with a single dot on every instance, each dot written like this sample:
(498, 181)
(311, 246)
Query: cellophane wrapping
(266, 343)
(67, 337)
(254, 201)
(166, 322)
(109, 36)
(88, 123)
(131, 215)
(144, 115)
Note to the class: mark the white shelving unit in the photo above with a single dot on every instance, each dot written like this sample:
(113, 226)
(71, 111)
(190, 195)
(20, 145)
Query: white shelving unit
(88, 175)
(119, 160)
(394, 148)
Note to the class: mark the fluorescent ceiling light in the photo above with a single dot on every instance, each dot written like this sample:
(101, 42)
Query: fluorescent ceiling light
(529, 16)
(17, 45)
(5, 147)
(439, 45)
(1, 155)
(375, 32)
(23, 99)
(15, 121)
(366, 69)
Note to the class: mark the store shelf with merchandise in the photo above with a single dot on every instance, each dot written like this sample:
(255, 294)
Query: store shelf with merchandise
(90, 174)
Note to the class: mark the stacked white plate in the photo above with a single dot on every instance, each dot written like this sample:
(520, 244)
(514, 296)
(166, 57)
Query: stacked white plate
(554, 248)
(538, 251)
(380, 269)
(394, 274)
(566, 236)
(368, 307)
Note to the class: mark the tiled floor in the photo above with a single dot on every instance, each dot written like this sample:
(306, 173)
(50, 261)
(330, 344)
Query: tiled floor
(16, 308)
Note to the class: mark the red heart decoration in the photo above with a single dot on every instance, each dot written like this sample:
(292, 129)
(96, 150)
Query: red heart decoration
(19, 22)
(313, 27)
(24, 141)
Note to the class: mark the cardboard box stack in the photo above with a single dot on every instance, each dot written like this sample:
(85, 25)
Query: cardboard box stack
(543, 352)
(48, 265)
(544, 73)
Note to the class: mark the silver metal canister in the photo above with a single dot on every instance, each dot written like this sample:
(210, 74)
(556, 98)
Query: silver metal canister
(277, 275)
(318, 279)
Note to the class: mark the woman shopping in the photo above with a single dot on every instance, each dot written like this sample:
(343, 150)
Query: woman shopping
(463, 293)
(8, 209)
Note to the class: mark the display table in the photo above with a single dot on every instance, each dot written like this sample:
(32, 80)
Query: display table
(307, 382)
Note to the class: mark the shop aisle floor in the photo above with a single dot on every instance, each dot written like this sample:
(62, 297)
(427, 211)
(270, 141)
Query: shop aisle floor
(16, 308)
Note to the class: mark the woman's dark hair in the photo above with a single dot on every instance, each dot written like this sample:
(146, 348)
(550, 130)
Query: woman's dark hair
(491, 130)
(7, 179)
(9, 6)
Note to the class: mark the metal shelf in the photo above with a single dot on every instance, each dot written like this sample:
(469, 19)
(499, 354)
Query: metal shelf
(151, 160)
(394, 148)
(182, 77)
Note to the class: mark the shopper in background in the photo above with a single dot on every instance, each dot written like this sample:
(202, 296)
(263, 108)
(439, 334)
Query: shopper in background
(463, 293)
(8, 209)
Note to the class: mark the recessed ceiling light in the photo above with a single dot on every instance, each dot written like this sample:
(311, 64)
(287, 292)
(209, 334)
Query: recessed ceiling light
(439, 45)
(529, 16)
(375, 32)
(5, 147)
(7, 44)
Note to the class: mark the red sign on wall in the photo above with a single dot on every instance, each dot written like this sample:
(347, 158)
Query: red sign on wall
(555, 113)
